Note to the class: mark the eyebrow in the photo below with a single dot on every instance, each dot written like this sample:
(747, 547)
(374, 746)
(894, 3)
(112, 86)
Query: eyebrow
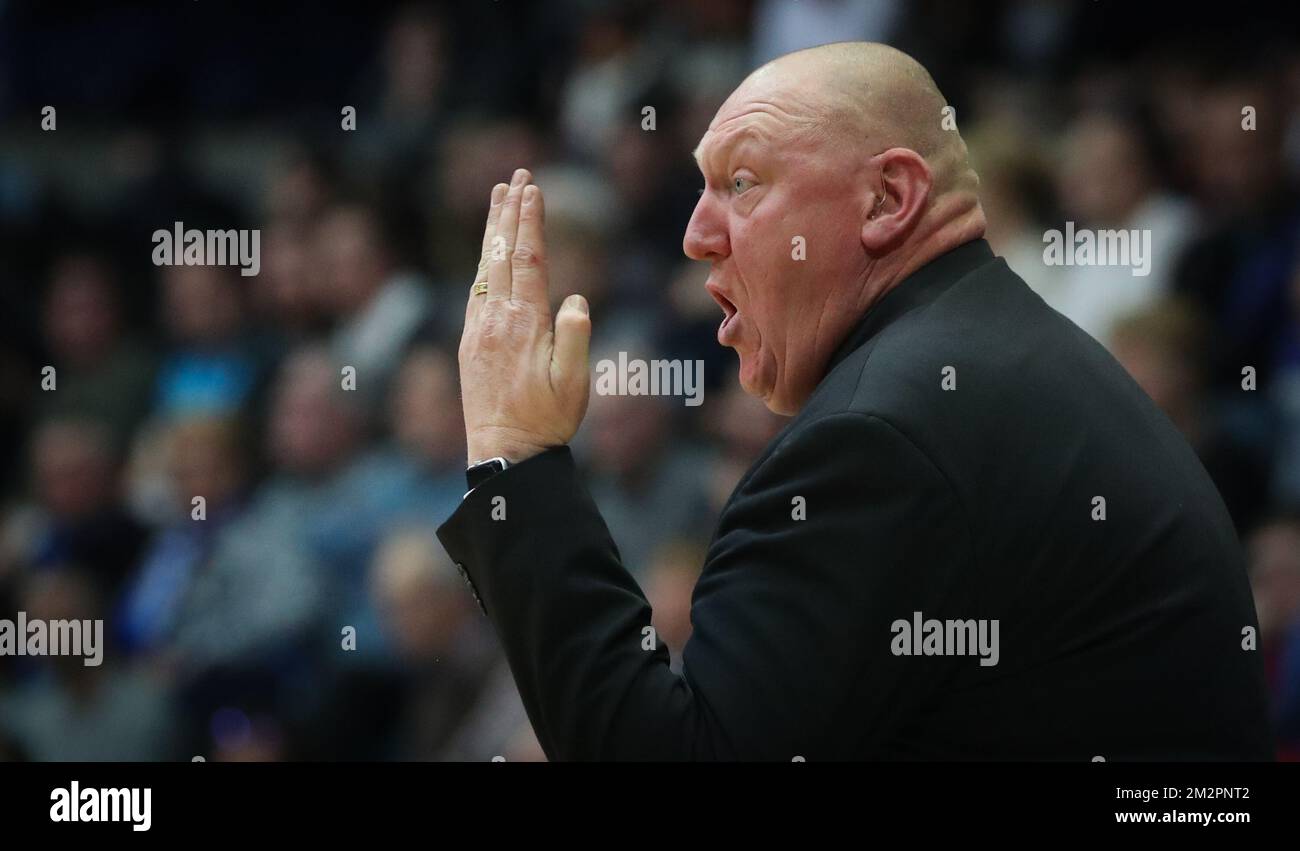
(733, 139)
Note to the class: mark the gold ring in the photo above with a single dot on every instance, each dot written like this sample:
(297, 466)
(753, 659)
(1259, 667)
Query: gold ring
(479, 289)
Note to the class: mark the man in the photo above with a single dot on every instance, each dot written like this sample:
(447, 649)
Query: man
(976, 539)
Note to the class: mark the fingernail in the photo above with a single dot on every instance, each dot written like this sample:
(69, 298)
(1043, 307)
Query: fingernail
(518, 178)
(530, 194)
(498, 193)
(578, 303)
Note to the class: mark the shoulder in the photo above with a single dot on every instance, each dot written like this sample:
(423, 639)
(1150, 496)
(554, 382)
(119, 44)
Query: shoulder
(949, 363)
(917, 391)
(844, 460)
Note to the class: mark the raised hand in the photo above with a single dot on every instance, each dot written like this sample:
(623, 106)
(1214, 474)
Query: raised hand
(524, 379)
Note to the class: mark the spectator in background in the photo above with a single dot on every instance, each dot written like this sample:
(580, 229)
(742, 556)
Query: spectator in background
(1240, 269)
(412, 483)
(598, 95)
(255, 603)
(403, 490)
(214, 364)
(264, 590)
(99, 372)
(358, 493)
(299, 188)
(232, 616)
(1106, 181)
(285, 300)
(649, 212)
(1274, 551)
(712, 57)
(316, 449)
(206, 458)
(410, 93)
(1162, 346)
(375, 305)
(1284, 392)
(68, 711)
(451, 661)
(582, 216)
(1013, 184)
(332, 495)
(644, 481)
(76, 515)
(473, 152)
(781, 28)
(429, 432)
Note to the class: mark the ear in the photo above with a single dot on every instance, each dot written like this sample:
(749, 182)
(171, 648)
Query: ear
(906, 181)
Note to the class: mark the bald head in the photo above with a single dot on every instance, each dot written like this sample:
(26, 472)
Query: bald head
(870, 97)
(844, 160)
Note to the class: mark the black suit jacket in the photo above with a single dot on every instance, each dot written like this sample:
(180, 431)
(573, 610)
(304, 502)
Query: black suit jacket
(969, 499)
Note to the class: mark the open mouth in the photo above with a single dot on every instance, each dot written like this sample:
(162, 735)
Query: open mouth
(728, 312)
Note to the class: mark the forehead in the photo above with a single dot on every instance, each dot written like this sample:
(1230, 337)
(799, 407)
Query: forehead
(763, 110)
(744, 128)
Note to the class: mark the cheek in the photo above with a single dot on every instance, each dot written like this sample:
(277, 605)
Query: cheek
(791, 251)
(762, 249)
(835, 259)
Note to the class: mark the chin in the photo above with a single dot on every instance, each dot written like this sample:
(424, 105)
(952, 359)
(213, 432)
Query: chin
(783, 407)
(768, 394)
(786, 401)
(751, 386)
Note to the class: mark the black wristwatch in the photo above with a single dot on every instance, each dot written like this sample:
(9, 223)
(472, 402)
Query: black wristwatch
(480, 471)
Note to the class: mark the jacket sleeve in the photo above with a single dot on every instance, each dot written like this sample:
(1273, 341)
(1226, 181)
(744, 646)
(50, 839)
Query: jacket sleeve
(840, 531)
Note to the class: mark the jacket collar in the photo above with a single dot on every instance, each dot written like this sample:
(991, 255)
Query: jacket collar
(919, 288)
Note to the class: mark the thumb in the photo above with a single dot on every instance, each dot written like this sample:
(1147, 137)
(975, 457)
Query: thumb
(572, 337)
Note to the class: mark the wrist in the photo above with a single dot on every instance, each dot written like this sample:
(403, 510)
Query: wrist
(481, 471)
(512, 451)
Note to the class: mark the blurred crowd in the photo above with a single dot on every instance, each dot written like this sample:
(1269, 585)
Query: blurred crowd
(242, 475)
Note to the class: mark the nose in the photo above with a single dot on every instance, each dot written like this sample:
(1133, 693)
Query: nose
(706, 233)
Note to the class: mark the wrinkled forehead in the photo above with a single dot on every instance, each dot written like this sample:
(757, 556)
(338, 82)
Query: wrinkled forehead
(771, 118)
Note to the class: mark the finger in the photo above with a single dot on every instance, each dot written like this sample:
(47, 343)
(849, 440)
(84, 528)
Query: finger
(528, 261)
(572, 339)
(503, 244)
(494, 214)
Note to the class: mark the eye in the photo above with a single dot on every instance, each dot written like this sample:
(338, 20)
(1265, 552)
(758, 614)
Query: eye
(740, 184)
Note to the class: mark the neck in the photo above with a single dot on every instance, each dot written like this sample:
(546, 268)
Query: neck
(955, 219)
